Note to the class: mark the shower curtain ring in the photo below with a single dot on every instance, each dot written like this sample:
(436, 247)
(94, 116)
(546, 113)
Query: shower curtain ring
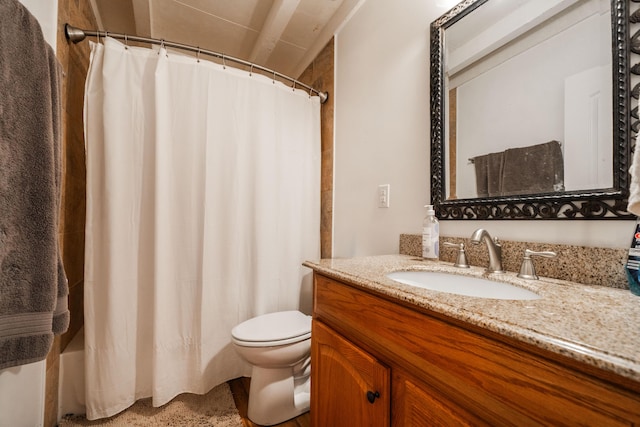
(251, 70)
(161, 46)
(274, 77)
(126, 42)
(224, 66)
(198, 55)
(293, 87)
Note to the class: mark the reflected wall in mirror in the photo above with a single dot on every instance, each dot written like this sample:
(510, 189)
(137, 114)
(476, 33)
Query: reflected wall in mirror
(530, 106)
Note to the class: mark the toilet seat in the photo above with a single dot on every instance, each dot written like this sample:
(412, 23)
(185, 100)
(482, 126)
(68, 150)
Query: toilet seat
(273, 329)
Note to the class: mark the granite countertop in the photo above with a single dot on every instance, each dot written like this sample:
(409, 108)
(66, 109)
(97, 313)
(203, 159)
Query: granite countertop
(597, 325)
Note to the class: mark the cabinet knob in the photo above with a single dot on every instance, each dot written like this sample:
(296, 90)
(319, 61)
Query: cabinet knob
(371, 396)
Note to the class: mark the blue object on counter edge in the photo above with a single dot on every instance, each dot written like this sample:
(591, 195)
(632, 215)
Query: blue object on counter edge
(634, 286)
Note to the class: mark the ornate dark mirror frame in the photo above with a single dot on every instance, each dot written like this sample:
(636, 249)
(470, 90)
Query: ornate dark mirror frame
(593, 204)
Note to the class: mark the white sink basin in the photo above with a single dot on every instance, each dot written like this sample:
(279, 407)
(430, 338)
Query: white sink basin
(462, 285)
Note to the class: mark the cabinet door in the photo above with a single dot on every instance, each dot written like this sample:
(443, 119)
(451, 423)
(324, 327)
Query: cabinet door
(415, 404)
(349, 387)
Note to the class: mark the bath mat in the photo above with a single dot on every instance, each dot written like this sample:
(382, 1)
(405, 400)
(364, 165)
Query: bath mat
(215, 408)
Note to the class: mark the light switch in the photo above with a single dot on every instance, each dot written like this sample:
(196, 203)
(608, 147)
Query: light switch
(383, 195)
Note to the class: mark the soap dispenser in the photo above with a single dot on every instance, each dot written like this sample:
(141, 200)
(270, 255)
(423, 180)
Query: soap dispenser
(430, 235)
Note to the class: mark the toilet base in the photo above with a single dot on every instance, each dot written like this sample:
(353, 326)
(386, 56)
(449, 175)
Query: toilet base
(277, 395)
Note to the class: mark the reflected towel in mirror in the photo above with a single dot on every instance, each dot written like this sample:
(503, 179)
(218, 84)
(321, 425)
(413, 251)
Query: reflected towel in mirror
(489, 168)
(523, 170)
(533, 169)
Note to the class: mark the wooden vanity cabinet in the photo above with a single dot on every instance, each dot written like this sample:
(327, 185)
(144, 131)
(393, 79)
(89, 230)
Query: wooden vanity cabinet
(431, 370)
(355, 387)
(417, 404)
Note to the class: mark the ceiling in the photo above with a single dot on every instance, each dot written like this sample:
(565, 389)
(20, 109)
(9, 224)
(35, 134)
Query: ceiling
(283, 35)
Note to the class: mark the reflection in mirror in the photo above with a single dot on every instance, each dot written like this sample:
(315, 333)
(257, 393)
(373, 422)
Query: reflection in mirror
(523, 117)
(532, 91)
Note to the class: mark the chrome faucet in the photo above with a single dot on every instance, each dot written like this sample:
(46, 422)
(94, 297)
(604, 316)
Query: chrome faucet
(494, 248)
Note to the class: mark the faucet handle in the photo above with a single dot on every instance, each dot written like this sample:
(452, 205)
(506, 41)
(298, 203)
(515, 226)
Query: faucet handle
(527, 269)
(461, 261)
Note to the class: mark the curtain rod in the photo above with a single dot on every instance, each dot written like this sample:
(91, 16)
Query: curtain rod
(77, 35)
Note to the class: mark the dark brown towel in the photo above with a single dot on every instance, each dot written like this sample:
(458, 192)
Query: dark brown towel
(533, 169)
(489, 174)
(33, 286)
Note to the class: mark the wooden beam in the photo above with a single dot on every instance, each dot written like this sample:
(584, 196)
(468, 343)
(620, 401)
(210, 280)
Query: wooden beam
(274, 25)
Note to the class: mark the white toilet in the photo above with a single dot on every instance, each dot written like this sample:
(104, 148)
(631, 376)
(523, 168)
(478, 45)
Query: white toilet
(278, 345)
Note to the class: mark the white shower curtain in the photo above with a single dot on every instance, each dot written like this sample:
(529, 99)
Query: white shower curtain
(203, 200)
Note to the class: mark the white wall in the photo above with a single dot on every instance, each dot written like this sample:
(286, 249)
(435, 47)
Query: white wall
(382, 137)
(381, 125)
(22, 388)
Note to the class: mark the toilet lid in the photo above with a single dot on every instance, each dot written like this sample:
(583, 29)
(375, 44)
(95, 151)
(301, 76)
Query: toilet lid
(277, 326)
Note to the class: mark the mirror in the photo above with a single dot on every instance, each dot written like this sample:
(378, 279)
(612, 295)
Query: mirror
(530, 110)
